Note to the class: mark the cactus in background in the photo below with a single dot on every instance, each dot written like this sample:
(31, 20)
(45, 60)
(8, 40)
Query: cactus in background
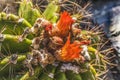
(45, 46)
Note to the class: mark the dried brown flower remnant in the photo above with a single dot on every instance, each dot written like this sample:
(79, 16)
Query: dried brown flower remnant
(55, 43)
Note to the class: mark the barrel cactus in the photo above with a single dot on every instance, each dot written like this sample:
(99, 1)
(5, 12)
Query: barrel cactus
(51, 45)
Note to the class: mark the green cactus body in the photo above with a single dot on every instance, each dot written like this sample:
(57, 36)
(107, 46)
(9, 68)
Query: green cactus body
(37, 72)
(5, 65)
(59, 75)
(28, 12)
(48, 73)
(13, 24)
(12, 44)
(73, 76)
(51, 11)
(89, 74)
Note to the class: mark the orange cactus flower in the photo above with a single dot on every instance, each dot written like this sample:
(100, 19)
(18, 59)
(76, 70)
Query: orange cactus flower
(70, 52)
(63, 25)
